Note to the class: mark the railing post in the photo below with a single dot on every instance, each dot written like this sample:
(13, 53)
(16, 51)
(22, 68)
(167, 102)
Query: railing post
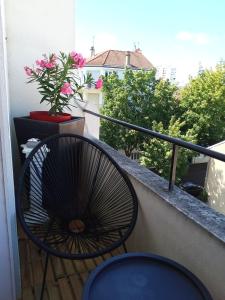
(173, 167)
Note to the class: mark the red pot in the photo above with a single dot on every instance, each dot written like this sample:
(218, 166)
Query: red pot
(45, 116)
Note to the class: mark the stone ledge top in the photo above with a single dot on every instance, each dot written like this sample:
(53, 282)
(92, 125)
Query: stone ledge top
(206, 217)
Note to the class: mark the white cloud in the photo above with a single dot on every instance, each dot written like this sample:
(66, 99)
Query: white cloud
(184, 36)
(201, 38)
(198, 38)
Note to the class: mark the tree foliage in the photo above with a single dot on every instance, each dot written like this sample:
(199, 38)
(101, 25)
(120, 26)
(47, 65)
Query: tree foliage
(194, 113)
(139, 98)
(157, 154)
(202, 106)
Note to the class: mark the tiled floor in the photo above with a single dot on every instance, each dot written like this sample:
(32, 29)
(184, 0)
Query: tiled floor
(65, 278)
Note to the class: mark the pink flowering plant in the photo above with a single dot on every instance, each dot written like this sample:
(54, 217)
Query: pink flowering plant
(58, 79)
(99, 83)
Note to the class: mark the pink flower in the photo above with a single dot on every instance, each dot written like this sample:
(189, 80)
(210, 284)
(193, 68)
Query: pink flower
(99, 83)
(66, 89)
(78, 59)
(28, 71)
(41, 63)
(48, 64)
(52, 62)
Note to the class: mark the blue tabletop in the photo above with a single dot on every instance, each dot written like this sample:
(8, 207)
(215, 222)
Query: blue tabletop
(142, 276)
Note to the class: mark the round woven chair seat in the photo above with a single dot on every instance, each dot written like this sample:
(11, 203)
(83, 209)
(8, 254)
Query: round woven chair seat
(74, 201)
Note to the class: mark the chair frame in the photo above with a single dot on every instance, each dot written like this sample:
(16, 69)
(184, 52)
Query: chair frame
(41, 244)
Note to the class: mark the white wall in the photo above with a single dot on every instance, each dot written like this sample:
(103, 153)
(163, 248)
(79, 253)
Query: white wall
(8, 240)
(102, 71)
(92, 124)
(9, 260)
(164, 230)
(215, 180)
(34, 27)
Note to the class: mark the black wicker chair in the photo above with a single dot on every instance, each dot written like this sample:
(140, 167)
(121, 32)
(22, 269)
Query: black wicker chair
(73, 199)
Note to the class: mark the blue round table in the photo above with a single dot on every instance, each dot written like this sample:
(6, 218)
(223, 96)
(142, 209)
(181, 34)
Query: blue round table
(143, 276)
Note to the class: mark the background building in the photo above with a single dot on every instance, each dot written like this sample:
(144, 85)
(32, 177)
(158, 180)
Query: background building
(104, 63)
(166, 72)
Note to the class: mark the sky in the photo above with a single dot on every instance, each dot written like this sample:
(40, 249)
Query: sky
(173, 34)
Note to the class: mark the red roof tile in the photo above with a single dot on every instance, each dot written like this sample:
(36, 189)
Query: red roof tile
(117, 59)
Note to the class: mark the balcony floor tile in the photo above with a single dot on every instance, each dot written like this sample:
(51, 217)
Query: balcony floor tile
(65, 278)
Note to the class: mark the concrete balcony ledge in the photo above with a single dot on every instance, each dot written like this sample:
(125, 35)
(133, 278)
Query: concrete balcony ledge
(190, 206)
(176, 225)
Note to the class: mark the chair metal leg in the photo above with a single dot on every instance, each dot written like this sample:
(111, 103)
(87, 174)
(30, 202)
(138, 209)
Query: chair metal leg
(44, 276)
(124, 245)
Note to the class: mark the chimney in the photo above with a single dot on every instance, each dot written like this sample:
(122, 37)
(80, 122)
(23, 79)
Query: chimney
(92, 51)
(138, 50)
(127, 61)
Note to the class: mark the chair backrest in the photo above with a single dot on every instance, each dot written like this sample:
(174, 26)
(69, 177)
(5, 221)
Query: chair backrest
(73, 199)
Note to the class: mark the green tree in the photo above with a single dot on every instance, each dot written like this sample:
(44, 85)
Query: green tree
(157, 154)
(202, 105)
(139, 98)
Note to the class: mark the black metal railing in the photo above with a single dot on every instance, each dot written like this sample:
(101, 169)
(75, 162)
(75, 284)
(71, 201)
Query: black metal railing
(176, 142)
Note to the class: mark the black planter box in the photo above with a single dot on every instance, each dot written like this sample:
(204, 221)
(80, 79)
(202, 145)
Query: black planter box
(27, 128)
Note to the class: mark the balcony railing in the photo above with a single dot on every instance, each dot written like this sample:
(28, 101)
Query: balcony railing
(176, 143)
